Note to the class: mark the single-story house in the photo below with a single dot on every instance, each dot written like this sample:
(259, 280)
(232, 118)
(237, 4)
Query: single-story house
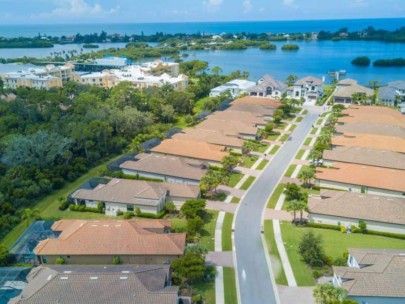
(237, 128)
(100, 241)
(347, 87)
(99, 284)
(171, 169)
(362, 179)
(128, 195)
(369, 128)
(235, 88)
(268, 86)
(364, 156)
(393, 93)
(265, 111)
(266, 102)
(390, 143)
(372, 114)
(381, 213)
(192, 150)
(308, 88)
(373, 276)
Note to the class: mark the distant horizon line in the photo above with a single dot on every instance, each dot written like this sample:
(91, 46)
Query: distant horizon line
(186, 22)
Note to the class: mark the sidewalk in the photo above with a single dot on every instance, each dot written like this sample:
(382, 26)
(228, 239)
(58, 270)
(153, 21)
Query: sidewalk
(219, 279)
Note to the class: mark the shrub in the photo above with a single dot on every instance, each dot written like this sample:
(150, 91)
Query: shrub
(362, 227)
(60, 261)
(128, 215)
(343, 229)
(119, 213)
(328, 260)
(354, 229)
(323, 226)
(340, 262)
(116, 260)
(317, 274)
(387, 234)
(220, 196)
(170, 207)
(152, 215)
(64, 203)
(83, 208)
(345, 255)
(100, 207)
(311, 249)
(197, 299)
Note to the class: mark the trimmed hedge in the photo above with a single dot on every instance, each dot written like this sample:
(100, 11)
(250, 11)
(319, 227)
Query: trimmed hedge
(323, 226)
(387, 234)
(159, 215)
(83, 208)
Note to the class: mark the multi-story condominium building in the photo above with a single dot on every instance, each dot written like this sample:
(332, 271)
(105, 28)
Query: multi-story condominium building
(27, 79)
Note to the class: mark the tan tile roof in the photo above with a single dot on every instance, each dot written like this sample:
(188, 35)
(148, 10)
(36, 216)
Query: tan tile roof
(258, 101)
(383, 274)
(354, 174)
(347, 91)
(253, 108)
(129, 191)
(366, 156)
(370, 128)
(373, 114)
(232, 115)
(215, 137)
(390, 143)
(110, 237)
(311, 80)
(227, 127)
(165, 165)
(359, 206)
(192, 149)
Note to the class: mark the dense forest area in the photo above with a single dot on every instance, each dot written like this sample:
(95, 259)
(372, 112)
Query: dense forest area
(48, 138)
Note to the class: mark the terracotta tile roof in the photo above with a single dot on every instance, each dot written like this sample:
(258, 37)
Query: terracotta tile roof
(99, 285)
(129, 191)
(192, 149)
(354, 174)
(258, 101)
(232, 115)
(215, 137)
(165, 165)
(373, 114)
(228, 127)
(390, 143)
(359, 206)
(370, 128)
(253, 108)
(382, 273)
(366, 156)
(110, 237)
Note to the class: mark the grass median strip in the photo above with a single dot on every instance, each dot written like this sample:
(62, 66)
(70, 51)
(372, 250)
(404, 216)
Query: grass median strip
(234, 179)
(248, 183)
(227, 232)
(274, 254)
(274, 150)
(262, 164)
(300, 154)
(299, 119)
(275, 196)
(284, 138)
(307, 141)
(230, 285)
(290, 170)
(235, 200)
(292, 128)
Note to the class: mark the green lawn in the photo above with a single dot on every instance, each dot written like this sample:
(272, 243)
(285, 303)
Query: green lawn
(284, 138)
(274, 197)
(208, 231)
(48, 206)
(334, 242)
(207, 289)
(313, 131)
(229, 285)
(324, 114)
(198, 106)
(262, 164)
(235, 200)
(274, 150)
(319, 121)
(307, 141)
(292, 128)
(290, 170)
(248, 161)
(273, 136)
(247, 183)
(260, 146)
(305, 112)
(299, 119)
(281, 126)
(300, 154)
(234, 179)
(274, 254)
(227, 232)
(179, 224)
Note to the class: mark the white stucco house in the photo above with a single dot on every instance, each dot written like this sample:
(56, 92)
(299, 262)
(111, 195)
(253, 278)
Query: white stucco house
(235, 88)
(309, 88)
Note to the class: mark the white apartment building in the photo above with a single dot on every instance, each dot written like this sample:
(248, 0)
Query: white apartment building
(27, 79)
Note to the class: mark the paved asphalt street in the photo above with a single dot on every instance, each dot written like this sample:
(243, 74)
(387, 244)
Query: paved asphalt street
(255, 285)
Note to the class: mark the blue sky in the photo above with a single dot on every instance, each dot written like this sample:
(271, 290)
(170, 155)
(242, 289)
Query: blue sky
(139, 11)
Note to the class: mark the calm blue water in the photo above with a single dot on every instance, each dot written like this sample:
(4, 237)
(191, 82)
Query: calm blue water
(202, 27)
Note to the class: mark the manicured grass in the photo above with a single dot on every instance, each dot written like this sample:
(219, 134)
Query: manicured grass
(273, 136)
(275, 196)
(290, 170)
(334, 242)
(281, 126)
(229, 285)
(234, 179)
(262, 164)
(284, 138)
(248, 183)
(307, 141)
(324, 114)
(235, 200)
(300, 154)
(292, 128)
(274, 150)
(305, 112)
(313, 131)
(48, 206)
(263, 147)
(227, 232)
(208, 231)
(179, 224)
(319, 121)
(299, 119)
(274, 254)
(207, 289)
(248, 161)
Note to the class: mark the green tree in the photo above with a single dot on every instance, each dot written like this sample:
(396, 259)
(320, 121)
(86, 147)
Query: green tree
(29, 215)
(4, 256)
(193, 208)
(294, 192)
(211, 180)
(311, 249)
(293, 207)
(291, 79)
(229, 163)
(194, 225)
(196, 248)
(190, 266)
(306, 175)
(247, 147)
(269, 127)
(216, 70)
(326, 293)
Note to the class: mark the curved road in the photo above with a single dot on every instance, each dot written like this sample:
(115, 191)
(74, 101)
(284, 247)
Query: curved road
(254, 280)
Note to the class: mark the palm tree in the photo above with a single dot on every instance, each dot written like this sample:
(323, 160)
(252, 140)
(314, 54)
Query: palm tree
(293, 206)
(301, 207)
(28, 215)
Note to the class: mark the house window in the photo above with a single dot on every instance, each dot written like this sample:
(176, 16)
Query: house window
(130, 207)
